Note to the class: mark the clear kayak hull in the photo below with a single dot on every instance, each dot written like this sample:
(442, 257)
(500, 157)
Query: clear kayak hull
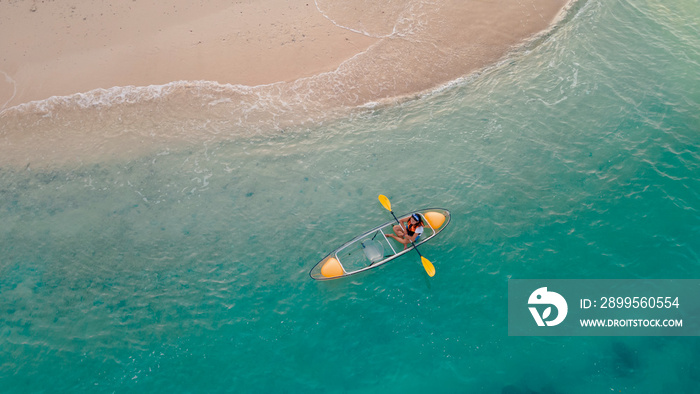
(373, 248)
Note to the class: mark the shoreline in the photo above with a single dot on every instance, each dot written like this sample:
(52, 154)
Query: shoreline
(415, 50)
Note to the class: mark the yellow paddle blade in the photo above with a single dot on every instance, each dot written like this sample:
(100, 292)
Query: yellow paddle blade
(385, 202)
(429, 268)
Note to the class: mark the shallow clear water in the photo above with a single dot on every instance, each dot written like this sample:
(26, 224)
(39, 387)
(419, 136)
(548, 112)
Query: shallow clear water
(187, 270)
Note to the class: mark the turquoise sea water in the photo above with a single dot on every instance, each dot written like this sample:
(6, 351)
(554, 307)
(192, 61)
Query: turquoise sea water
(187, 271)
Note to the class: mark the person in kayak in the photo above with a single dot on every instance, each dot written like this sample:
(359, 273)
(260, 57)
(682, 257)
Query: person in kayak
(409, 230)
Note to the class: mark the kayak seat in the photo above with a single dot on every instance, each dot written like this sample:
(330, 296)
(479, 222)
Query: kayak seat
(373, 250)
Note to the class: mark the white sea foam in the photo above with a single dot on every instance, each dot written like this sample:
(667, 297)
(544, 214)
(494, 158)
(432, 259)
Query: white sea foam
(120, 95)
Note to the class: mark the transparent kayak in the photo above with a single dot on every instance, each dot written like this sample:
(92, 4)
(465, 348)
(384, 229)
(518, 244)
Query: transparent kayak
(374, 248)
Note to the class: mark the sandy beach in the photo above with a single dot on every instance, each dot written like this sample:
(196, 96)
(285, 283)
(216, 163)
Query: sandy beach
(55, 48)
(303, 58)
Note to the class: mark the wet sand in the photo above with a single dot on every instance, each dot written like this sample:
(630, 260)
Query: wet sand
(266, 64)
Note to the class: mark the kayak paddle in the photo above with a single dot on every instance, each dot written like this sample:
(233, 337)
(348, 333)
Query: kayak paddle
(429, 268)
